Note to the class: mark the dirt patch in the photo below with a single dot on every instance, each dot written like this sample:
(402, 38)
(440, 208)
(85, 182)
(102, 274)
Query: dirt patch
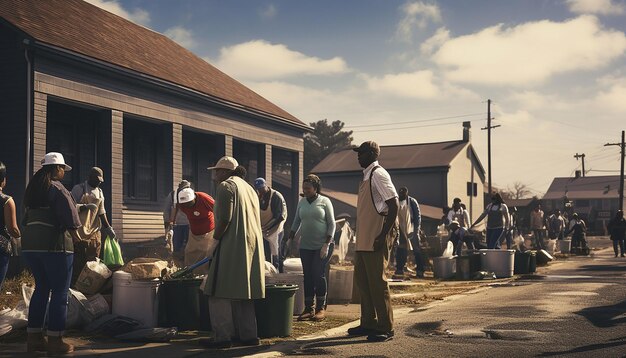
(12, 289)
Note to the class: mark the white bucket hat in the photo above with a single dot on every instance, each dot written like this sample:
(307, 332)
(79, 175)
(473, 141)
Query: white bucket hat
(54, 158)
(186, 195)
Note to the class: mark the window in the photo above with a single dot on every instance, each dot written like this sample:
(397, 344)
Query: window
(472, 189)
(251, 156)
(285, 177)
(140, 154)
(582, 203)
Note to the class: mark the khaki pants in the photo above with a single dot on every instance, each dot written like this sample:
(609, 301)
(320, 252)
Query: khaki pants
(196, 250)
(232, 319)
(369, 276)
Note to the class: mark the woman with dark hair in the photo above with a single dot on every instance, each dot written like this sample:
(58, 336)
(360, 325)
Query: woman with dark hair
(617, 230)
(498, 221)
(50, 212)
(8, 225)
(315, 218)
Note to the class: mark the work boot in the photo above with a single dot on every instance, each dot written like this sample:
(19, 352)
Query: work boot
(307, 314)
(57, 346)
(36, 342)
(319, 315)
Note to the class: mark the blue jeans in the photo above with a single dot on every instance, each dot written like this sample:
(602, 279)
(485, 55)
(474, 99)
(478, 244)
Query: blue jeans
(52, 272)
(181, 235)
(4, 266)
(615, 244)
(314, 270)
(417, 253)
(493, 236)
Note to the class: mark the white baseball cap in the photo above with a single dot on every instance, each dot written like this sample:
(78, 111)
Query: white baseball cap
(186, 195)
(225, 162)
(54, 158)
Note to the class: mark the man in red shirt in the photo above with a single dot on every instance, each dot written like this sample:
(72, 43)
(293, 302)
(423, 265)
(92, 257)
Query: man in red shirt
(198, 207)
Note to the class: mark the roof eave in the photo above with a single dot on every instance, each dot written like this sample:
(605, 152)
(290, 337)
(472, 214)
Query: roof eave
(181, 90)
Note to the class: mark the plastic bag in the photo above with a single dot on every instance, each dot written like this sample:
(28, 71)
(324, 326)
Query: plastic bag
(449, 251)
(112, 253)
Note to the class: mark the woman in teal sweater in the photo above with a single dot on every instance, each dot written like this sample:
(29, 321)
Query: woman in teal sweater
(316, 219)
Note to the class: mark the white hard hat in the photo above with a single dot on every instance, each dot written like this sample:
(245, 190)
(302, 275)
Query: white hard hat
(186, 195)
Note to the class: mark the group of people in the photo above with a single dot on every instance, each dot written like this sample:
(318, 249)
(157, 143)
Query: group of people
(60, 232)
(558, 227)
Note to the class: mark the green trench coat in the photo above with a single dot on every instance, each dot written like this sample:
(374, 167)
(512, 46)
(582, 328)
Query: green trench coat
(237, 270)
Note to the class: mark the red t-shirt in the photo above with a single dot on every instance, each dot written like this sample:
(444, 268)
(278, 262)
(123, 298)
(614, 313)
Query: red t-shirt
(200, 215)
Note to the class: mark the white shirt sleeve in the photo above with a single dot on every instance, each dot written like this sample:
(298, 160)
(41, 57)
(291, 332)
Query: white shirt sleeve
(382, 189)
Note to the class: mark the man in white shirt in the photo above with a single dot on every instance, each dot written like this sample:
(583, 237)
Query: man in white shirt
(377, 210)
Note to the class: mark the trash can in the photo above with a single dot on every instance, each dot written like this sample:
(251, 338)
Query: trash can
(444, 267)
(565, 246)
(463, 268)
(522, 263)
(532, 266)
(183, 305)
(274, 312)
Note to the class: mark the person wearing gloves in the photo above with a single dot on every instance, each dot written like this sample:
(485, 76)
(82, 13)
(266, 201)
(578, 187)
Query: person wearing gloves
(198, 208)
(179, 235)
(458, 236)
(237, 270)
(498, 218)
(96, 227)
(50, 211)
(273, 216)
(315, 218)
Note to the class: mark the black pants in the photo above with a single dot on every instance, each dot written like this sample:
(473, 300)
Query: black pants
(314, 270)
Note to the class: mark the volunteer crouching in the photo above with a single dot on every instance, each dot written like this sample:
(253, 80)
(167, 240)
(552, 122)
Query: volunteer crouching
(236, 273)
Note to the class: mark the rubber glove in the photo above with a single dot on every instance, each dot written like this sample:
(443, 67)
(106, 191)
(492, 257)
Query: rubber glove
(324, 251)
(169, 234)
(108, 231)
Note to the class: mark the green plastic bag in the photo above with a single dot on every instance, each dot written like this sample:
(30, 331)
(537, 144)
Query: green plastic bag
(117, 252)
(108, 257)
(112, 254)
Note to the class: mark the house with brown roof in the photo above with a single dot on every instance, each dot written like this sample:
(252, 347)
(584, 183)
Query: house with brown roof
(594, 198)
(104, 91)
(434, 173)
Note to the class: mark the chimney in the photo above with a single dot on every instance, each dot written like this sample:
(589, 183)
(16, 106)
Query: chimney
(466, 131)
(577, 174)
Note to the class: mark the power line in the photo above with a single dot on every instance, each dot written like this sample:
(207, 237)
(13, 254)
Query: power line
(409, 127)
(417, 120)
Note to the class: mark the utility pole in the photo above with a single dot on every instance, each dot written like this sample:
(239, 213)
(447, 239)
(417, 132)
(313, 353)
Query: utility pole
(621, 173)
(488, 128)
(583, 158)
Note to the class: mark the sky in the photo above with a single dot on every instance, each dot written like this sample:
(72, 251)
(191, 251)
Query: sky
(403, 72)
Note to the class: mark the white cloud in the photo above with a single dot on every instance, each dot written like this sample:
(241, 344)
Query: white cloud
(181, 35)
(603, 7)
(419, 84)
(137, 15)
(613, 99)
(416, 15)
(268, 12)
(530, 53)
(434, 42)
(261, 60)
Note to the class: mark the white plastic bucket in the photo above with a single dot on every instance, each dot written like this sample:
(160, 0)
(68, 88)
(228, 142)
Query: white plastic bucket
(135, 299)
(500, 262)
(292, 265)
(340, 286)
(291, 278)
(444, 267)
(565, 246)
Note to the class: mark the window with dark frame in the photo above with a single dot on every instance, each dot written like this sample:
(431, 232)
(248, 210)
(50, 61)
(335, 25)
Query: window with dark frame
(472, 189)
(140, 166)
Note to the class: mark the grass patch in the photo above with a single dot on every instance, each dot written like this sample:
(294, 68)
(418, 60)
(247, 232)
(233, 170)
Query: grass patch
(11, 292)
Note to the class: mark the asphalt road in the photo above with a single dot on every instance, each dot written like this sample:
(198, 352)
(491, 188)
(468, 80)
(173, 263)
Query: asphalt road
(574, 308)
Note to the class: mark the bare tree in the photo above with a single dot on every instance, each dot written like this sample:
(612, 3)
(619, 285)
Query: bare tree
(518, 191)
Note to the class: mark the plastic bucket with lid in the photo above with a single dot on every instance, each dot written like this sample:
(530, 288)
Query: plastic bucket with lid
(444, 267)
(292, 265)
(136, 298)
(183, 305)
(290, 279)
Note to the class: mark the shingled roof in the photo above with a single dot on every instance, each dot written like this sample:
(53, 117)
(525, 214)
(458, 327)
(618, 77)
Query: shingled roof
(88, 30)
(408, 156)
(593, 187)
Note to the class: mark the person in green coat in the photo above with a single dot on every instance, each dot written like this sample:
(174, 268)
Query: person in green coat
(237, 270)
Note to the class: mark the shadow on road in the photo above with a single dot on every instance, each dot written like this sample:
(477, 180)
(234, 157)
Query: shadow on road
(588, 348)
(318, 347)
(605, 316)
(607, 268)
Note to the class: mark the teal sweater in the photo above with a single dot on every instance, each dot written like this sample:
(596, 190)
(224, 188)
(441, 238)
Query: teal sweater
(316, 221)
